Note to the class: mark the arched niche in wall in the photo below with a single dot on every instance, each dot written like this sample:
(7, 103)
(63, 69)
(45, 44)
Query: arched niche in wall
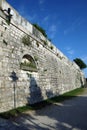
(28, 63)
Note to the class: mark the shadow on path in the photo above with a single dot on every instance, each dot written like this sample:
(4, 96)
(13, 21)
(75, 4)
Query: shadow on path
(68, 115)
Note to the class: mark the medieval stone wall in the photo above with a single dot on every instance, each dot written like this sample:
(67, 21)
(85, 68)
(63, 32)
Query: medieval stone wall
(51, 74)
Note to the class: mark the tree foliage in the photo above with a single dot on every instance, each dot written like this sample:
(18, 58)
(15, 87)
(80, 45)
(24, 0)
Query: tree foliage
(40, 29)
(80, 63)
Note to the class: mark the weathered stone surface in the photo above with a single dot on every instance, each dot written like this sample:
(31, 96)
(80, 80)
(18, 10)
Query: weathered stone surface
(55, 73)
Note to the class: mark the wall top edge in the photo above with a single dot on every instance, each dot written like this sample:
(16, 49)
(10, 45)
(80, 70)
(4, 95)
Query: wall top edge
(20, 21)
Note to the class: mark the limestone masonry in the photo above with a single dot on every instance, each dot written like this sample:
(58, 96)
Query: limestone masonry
(31, 67)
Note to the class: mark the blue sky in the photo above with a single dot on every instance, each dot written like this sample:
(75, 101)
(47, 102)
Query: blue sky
(65, 22)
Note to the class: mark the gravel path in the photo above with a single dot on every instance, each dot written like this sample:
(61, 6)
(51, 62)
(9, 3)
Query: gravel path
(68, 115)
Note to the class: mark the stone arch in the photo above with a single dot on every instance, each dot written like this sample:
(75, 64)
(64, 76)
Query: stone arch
(28, 63)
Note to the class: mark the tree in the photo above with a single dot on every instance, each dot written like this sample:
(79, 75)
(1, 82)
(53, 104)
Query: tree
(80, 63)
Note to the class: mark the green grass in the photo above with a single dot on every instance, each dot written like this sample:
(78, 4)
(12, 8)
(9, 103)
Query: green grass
(15, 112)
(20, 110)
(68, 95)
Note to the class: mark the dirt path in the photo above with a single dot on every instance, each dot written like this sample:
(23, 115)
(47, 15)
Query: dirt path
(69, 115)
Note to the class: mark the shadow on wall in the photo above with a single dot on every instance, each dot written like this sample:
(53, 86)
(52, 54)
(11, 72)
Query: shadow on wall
(35, 92)
(14, 78)
(49, 94)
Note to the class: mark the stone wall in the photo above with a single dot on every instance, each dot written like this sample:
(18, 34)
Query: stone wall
(51, 74)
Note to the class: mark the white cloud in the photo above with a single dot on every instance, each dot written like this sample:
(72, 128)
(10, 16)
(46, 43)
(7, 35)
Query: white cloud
(31, 18)
(85, 58)
(85, 72)
(67, 48)
(70, 50)
(68, 30)
(52, 30)
(41, 2)
(41, 5)
(74, 25)
(25, 14)
(46, 19)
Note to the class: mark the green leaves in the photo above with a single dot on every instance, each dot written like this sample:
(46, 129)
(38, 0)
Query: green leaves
(80, 63)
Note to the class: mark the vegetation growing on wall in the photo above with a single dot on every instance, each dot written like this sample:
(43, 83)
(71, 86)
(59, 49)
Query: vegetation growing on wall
(28, 64)
(51, 47)
(36, 58)
(45, 35)
(8, 21)
(26, 40)
(37, 43)
(45, 43)
(40, 29)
